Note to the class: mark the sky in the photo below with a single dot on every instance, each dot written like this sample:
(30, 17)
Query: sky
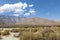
(48, 9)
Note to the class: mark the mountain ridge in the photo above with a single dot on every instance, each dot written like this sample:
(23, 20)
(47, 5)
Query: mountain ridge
(12, 20)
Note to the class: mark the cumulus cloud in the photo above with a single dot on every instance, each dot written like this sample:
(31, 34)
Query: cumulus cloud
(31, 11)
(17, 8)
(31, 5)
(16, 14)
(26, 14)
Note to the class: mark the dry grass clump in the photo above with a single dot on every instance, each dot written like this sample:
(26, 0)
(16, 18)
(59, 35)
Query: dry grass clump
(27, 36)
(0, 33)
(34, 30)
(52, 36)
(6, 32)
(31, 36)
(23, 29)
(58, 37)
(27, 29)
(15, 30)
(49, 35)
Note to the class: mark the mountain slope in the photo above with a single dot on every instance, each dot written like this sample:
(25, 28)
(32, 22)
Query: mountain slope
(38, 21)
(12, 20)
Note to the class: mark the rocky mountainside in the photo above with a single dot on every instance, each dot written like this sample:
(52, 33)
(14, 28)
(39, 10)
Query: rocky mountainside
(12, 20)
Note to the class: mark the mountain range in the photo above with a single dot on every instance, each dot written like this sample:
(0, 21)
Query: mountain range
(13, 20)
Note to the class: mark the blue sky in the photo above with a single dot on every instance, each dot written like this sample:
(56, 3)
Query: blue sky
(49, 9)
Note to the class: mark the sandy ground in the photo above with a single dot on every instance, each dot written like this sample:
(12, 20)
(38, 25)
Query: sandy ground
(9, 38)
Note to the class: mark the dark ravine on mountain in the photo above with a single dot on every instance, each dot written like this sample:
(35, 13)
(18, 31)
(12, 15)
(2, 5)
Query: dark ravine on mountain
(12, 20)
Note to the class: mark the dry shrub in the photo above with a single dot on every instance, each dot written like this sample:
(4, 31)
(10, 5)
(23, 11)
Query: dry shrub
(31, 36)
(33, 29)
(52, 36)
(15, 30)
(6, 32)
(58, 37)
(0, 33)
(26, 36)
(21, 29)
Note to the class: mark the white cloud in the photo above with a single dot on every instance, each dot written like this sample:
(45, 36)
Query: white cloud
(25, 5)
(26, 14)
(16, 14)
(20, 11)
(17, 8)
(31, 5)
(32, 11)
